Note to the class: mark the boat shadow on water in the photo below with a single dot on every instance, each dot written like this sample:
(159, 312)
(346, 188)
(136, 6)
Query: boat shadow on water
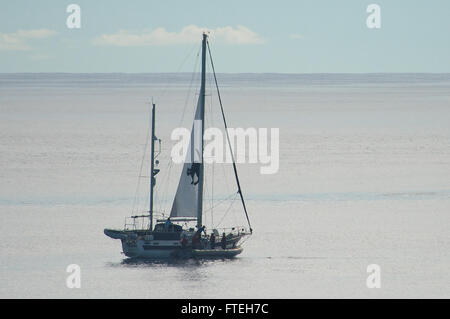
(172, 262)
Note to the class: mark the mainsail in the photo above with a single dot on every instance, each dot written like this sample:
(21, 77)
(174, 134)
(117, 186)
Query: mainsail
(188, 200)
(188, 192)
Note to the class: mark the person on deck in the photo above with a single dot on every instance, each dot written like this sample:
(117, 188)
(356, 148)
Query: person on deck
(184, 241)
(195, 240)
(167, 224)
(212, 241)
(223, 242)
(196, 237)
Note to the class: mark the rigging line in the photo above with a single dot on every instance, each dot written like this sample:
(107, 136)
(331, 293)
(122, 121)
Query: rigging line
(158, 205)
(164, 181)
(211, 120)
(190, 87)
(226, 212)
(136, 200)
(212, 194)
(245, 239)
(176, 72)
(228, 139)
(223, 200)
(165, 193)
(205, 193)
(166, 178)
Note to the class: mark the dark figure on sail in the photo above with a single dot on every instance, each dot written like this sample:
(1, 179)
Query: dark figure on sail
(194, 170)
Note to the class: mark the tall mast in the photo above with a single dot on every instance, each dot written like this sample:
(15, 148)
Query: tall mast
(153, 171)
(202, 115)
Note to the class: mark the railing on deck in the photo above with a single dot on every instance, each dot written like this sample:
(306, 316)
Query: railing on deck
(237, 230)
(139, 221)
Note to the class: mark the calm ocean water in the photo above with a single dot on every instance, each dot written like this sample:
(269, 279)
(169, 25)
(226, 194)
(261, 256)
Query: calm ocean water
(364, 178)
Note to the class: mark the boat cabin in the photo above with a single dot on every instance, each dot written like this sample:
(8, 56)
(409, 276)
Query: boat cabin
(161, 227)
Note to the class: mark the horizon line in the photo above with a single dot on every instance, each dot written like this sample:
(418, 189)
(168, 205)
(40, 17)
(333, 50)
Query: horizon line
(256, 73)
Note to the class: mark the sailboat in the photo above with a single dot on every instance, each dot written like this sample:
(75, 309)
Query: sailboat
(168, 238)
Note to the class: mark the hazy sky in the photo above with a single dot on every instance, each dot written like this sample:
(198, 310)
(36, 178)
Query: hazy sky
(249, 36)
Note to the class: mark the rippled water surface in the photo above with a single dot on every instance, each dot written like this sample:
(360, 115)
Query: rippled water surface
(364, 178)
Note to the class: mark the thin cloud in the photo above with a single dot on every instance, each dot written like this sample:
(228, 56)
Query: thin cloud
(18, 41)
(40, 57)
(189, 34)
(296, 36)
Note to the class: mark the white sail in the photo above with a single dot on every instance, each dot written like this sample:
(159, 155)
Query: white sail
(186, 201)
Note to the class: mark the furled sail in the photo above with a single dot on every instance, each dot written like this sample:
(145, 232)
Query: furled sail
(189, 192)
